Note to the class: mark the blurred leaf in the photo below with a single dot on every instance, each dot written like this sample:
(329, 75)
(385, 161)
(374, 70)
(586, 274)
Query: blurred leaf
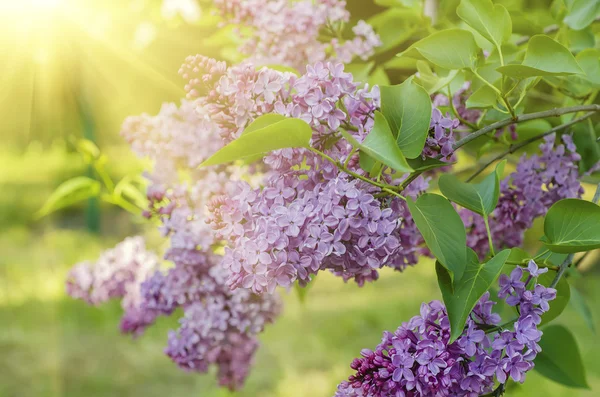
(395, 26)
(477, 279)
(449, 49)
(589, 60)
(68, 193)
(286, 133)
(582, 13)
(531, 128)
(125, 188)
(482, 98)
(544, 57)
(443, 231)
(489, 20)
(580, 40)
(560, 360)
(563, 294)
(381, 145)
(571, 225)
(584, 137)
(379, 77)
(407, 109)
(481, 198)
(580, 305)
(360, 71)
(88, 150)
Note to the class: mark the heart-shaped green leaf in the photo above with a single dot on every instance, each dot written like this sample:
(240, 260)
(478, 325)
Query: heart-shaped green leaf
(479, 197)
(449, 49)
(560, 360)
(476, 280)
(489, 20)
(484, 97)
(381, 145)
(544, 57)
(407, 109)
(443, 231)
(572, 225)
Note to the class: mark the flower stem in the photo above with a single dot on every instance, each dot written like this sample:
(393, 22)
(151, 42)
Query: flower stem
(489, 234)
(384, 187)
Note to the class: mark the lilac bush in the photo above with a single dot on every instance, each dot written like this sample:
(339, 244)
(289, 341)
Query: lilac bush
(286, 164)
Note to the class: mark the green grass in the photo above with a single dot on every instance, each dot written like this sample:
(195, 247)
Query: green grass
(51, 345)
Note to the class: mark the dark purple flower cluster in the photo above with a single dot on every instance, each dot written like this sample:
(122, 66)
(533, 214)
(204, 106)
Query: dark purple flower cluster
(441, 137)
(417, 360)
(528, 193)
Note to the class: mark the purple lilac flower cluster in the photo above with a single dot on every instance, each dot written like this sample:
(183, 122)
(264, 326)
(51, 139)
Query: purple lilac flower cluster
(288, 33)
(418, 360)
(441, 136)
(310, 216)
(526, 194)
(219, 325)
(118, 273)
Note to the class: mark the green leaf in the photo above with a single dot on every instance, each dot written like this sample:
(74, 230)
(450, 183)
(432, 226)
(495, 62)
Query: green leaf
(584, 137)
(479, 197)
(560, 360)
(68, 193)
(589, 60)
(394, 27)
(286, 133)
(580, 305)
(476, 280)
(582, 13)
(482, 98)
(449, 49)
(544, 57)
(378, 77)
(489, 20)
(407, 109)
(443, 231)
(563, 294)
(433, 82)
(420, 164)
(381, 145)
(571, 225)
(263, 121)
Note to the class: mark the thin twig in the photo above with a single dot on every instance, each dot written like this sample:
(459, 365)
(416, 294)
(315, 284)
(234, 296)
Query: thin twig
(515, 147)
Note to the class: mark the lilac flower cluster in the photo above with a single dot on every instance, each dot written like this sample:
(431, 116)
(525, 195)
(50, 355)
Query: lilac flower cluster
(118, 273)
(310, 216)
(219, 325)
(418, 360)
(288, 33)
(441, 137)
(528, 193)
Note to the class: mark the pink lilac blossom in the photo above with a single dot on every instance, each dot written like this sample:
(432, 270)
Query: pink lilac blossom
(418, 360)
(284, 32)
(118, 273)
(526, 194)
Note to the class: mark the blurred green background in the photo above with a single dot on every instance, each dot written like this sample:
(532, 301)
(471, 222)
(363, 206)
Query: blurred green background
(77, 68)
